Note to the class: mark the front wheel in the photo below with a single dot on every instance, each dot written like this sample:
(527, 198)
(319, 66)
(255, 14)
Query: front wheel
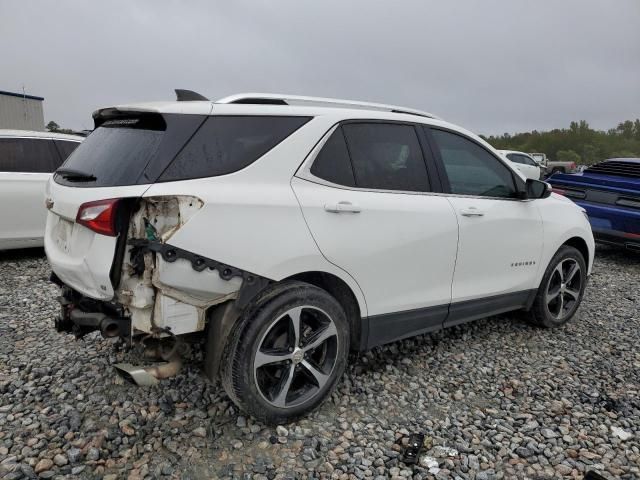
(561, 290)
(286, 352)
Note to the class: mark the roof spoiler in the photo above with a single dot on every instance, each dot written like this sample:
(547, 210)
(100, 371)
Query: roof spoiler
(189, 96)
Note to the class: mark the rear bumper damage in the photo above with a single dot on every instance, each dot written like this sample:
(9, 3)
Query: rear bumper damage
(161, 291)
(81, 315)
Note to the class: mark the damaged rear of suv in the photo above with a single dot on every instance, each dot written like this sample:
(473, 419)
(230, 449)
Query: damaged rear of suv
(152, 234)
(286, 231)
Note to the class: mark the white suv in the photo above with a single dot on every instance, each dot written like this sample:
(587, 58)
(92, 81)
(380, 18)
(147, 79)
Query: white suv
(290, 230)
(27, 160)
(523, 162)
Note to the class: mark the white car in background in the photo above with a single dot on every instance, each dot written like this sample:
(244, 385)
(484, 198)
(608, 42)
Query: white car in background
(27, 160)
(286, 231)
(523, 162)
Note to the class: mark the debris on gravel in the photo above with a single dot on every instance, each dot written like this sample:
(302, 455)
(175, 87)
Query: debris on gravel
(495, 399)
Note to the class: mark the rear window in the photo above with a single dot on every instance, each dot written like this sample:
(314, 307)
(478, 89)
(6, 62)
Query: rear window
(226, 144)
(146, 148)
(28, 155)
(117, 152)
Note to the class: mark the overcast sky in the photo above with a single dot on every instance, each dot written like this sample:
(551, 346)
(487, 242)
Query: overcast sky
(491, 66)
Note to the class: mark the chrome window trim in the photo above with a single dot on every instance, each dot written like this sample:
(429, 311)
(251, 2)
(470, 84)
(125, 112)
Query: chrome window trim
(304, 173)
(2, 137)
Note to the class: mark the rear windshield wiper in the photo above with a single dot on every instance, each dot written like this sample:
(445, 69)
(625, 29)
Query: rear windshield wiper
(75, 175)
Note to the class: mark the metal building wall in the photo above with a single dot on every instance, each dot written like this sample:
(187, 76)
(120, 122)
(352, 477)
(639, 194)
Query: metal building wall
(21, 113)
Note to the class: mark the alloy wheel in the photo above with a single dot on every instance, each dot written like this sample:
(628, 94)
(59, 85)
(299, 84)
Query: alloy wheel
(564, 288)
(296, 356)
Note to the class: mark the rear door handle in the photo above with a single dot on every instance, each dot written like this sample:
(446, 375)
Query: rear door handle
(471, 212)
(342, 207)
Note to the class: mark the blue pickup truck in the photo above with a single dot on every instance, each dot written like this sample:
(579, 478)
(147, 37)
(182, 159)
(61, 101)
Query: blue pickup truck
(610, 193)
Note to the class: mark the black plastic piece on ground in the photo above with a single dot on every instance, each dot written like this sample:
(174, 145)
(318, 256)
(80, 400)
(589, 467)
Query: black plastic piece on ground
(591, 475)
(55, 279)
(413, 448)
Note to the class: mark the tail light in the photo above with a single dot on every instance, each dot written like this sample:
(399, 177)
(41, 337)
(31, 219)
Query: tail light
(99, 216)
(572, 166)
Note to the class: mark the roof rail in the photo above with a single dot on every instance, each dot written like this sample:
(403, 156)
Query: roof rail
(281, 99)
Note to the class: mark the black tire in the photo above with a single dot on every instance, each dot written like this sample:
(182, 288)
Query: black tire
(551, 311)
(268, 320)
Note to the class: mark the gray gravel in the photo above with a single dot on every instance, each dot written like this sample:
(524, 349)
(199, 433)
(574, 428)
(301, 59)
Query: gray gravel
(495, 398)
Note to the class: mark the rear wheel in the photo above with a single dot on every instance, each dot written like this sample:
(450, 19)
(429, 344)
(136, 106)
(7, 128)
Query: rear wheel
(561, 290)
(286, 353)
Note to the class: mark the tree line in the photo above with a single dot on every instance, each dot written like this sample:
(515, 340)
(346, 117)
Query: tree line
(579, 143)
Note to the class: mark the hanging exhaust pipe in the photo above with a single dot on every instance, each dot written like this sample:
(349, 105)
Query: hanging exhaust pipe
(151, 375)
(110, 327)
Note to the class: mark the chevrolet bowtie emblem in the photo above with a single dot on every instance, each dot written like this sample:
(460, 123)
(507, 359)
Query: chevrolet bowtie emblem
(48, 203)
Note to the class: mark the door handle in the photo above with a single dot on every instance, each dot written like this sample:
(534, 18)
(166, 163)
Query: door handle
(342, 207)
(471, 212)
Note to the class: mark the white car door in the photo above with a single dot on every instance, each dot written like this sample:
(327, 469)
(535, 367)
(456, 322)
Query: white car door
(25, 164)
(367, 211)
(501, 237)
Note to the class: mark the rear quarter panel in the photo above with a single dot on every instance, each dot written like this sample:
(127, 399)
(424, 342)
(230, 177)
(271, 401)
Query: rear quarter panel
(252, 220)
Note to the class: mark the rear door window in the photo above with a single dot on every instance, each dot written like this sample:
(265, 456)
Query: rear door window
(386, 156)
(333, 163)
(471, 169)
(66, 148)
(28, 155)
(226, 144)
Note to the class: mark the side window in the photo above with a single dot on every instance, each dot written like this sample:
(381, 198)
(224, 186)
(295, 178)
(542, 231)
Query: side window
(471, 169)
(333, 163)
(515, 158)
(226, 144)
(386, 156)
(28, 155)
(523, 159)
(66, 148)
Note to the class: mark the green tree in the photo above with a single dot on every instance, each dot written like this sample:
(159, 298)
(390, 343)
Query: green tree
(53, 126)
(568, 156)
(579, 139)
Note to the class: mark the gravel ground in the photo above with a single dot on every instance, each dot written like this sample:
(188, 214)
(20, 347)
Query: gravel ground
(495, 398)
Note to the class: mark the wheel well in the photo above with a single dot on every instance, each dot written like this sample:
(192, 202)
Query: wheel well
(339, 290)
(579, 244)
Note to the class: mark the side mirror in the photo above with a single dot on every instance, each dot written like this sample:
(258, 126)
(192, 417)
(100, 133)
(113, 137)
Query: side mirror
(537, 189)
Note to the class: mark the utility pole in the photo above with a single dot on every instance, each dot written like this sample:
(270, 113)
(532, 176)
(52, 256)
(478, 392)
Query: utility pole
(24, 104)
